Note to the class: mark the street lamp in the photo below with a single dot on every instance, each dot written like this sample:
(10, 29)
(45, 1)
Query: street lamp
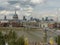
(46, 36)
(57, 13)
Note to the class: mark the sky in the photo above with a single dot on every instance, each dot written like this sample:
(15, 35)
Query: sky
(30, 8)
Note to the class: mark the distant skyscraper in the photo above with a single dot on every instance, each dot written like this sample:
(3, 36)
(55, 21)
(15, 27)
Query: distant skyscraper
(51, 20)
(46, 19)
(43, 19)
(31, 18)
(5, 17)
(24, 18)
(15, 17)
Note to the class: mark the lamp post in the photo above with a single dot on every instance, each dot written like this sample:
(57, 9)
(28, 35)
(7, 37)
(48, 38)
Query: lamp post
(46, 36)
(57, 25)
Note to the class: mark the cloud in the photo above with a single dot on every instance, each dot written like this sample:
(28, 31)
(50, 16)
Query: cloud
(4, 12)
(27, 2)
(2, 8)
(28, 7)
(24, 4)
(13, 2)
(17, 6)
(36, 1)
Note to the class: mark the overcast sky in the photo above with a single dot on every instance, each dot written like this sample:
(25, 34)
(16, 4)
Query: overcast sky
(28, 8)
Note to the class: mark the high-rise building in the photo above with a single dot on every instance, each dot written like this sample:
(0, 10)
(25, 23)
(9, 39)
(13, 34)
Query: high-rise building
(24, 18)
(46, 19)
(31, 18)
(43, 19)
(5, 17)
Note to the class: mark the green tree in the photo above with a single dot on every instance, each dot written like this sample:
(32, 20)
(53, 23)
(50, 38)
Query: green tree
(2, 41)
(57, 39)
(11, 37)
(20, 41)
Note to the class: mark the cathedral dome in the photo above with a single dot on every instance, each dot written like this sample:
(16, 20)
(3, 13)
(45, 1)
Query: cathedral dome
(15, 17)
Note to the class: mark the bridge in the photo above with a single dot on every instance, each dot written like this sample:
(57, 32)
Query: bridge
(35, 35)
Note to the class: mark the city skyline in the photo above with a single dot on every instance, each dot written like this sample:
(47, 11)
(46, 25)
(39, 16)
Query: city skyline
(28, 8)
(29, 22)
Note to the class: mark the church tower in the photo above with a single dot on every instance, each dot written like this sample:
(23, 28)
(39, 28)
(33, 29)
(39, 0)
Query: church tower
(15, 17)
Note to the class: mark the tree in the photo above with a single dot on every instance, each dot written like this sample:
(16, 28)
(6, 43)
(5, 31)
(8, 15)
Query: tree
(57, 39)
(10, 37)
(2, 41)
(25, 41)
(20, 41)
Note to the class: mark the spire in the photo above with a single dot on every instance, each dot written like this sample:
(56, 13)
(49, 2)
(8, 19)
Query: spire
(15, 11)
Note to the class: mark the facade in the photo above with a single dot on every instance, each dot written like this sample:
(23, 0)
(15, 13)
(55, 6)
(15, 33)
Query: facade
(43, 24)
(4, 23)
